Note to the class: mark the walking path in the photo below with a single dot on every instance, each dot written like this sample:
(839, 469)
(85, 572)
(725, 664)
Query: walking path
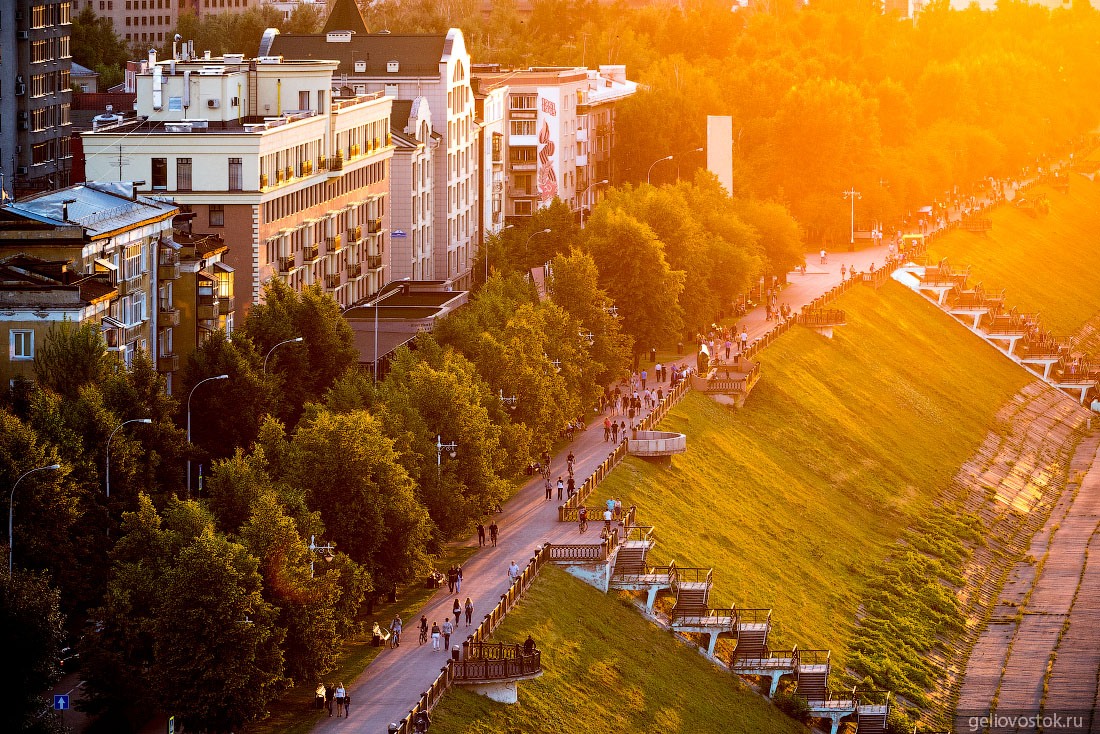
(394, 681)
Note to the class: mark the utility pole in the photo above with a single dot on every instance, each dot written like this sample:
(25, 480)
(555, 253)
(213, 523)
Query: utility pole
(853, 195)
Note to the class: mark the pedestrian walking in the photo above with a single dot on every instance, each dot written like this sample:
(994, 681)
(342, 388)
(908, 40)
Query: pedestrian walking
(618, 509)
(843, 271)
(347, 704)
(744, 338)
(607, 428)
(549, 487)
(657, 374)
(513, 572)
(480, 535)
(607, 521)
(457, 610)
(622, 428)
(615, 432)
(451, 579)
(561, 487)
(729, 346)
(644, 376)
(493, 533)
(570, 488)
(330, 693)
(341, 694)
(435, 635)
(469, 611)
(458, 579)
(448, 628)
(822, 261)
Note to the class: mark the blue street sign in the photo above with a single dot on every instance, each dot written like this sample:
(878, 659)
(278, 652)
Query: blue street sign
(61, 702)
(398, 233)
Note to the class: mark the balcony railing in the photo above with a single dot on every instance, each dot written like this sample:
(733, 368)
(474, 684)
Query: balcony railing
(333, 244)
(207, 307)
(286, 265)
(168, 363)
(374, 262)
(355, 233)
(167, 316)
(226, 304)
(311, 254)
(374, 226)
(332, 282)
(168, 270)
(355, 270)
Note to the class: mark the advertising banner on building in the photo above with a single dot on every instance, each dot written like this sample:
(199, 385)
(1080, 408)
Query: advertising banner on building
(547, 127)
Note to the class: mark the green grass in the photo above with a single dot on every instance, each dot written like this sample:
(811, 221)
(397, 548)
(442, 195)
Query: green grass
(796, 499)
(293, 712)
(607, 669)
(1045, 264)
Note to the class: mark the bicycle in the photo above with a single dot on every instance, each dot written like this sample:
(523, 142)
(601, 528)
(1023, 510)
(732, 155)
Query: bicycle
(583, 525)
(395, 640)
(423, 635)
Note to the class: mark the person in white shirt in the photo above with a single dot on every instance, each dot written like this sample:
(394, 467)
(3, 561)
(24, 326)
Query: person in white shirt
(341, 694)
(513, 572)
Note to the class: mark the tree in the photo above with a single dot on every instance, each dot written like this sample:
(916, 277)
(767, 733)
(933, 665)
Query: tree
(367, 501)
(303, 372)
(95, 44)
(72, 356)
(635, 273)
(32, 636)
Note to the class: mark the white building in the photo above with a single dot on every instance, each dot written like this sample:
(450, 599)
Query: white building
(490, 120)
(434, 66)
(411, 180)
(292, 177)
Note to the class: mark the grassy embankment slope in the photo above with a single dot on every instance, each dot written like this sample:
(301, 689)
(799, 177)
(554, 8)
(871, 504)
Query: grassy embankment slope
(607, 669)
(795, 499)
(1046, 264)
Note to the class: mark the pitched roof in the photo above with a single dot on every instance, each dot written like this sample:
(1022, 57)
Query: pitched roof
(345, 16)
(416, 54)
(100, 207)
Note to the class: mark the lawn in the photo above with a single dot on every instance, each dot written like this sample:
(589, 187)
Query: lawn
(607, 669)
(843, 443)
(1045, 264)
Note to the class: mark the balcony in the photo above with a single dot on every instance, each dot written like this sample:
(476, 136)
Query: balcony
(310, 254)
(582, 135)
(374, 226)
(226, 304)
(335, 165)
(169, 270)
(354, 271)
(333, 244)
(286, 266)
(353, 151)
(307, 168)
(374, 262)
(133, 333)
(355, 233)
(207, 307)
(289, 172)
(582, 159)
(332, 282)
(168, 363)
(168, 315)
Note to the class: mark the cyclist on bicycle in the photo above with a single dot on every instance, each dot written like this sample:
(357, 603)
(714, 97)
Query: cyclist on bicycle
(570, 460)
(423, 630)
(582, 517)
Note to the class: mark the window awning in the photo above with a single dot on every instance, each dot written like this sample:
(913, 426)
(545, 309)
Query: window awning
(109, 323)
(223, 267)
(105, 264)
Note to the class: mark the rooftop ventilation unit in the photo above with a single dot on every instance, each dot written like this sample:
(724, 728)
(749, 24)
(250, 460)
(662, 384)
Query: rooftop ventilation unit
(213, 103)
(338, 37)
(270, 59)
(210, 71)
(233, 58)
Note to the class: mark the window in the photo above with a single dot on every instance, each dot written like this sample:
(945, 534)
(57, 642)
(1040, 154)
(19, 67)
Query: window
(217, 215)
(303, 99)
(522, 155)
(21, 345)
(40, 51)
(160, 173)
(38, 16)
(63, 47)
(519, 127)
(523, 208)
(183, 174)
(521, 101)
(235, 174)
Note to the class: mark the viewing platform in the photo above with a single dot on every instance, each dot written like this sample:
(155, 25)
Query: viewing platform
(822, 320)
(1077, 374)
(493, 669)
(974, 303)
(656, 444)
(1041, 350)
(773, 664)
(941, 279)
(728, 383)
(1010, 327)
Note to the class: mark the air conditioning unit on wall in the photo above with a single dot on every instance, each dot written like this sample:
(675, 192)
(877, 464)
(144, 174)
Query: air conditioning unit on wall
(213, 103)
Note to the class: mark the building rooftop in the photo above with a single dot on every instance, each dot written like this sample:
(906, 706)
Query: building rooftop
(32, 282)
(416, 54)
(79, 70)
(345, 16)
(100, 208)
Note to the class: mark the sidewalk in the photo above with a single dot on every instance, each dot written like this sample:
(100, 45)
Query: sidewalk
(393, 683)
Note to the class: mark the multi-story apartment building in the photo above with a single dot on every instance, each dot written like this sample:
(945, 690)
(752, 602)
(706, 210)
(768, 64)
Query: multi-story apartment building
(35, 97)
(262, 152)
(434, 66)
(554, 118)
(154, 21)
(87, 253)
(489, 115)
(411, 173)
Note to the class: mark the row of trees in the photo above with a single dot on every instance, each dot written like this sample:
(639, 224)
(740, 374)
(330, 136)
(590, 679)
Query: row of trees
(824, 97)
(216, 600)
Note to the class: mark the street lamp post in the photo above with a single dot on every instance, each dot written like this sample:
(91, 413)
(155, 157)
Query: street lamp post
(208, 379)
(120, 425)
(509, 401)
(651, 165)
(853, 195)
(697, 150)
(439, 447)
(586, 188)
(11, 500)
(324, 550)
(269, 351)
(533, 236)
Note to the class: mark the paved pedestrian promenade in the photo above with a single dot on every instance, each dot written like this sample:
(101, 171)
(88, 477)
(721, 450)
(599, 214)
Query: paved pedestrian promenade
(393, 682)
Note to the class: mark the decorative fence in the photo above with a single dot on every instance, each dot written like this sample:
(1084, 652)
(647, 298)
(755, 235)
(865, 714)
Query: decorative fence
(567, 512)
(469, 667)
(483, 661)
